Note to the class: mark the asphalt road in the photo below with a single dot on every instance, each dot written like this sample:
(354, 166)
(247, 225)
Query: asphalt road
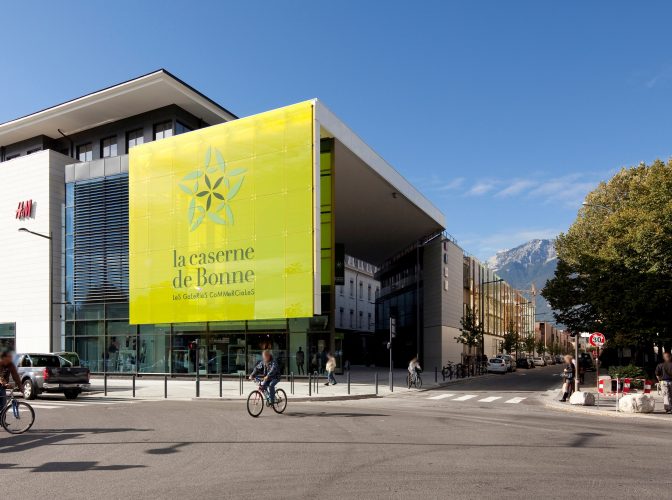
(402, 446)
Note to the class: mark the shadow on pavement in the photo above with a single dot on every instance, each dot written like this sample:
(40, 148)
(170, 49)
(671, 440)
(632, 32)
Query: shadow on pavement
(70, 467)
(45, 437)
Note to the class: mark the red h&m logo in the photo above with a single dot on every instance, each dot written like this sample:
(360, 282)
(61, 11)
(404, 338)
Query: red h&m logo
(24, 210)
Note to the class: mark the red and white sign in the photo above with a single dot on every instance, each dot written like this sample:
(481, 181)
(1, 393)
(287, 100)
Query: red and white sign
(597, 339)
(24, 210)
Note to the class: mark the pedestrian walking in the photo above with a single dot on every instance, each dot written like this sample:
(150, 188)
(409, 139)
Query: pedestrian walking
(300, 361)
(330, 368)
(664, 376)
(568, 375)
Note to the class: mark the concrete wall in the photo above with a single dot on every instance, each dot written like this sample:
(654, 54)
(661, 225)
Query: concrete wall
(24, 258)
(443, 298)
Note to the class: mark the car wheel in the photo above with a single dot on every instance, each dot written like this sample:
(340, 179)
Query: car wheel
(29, 389)
(71, 394)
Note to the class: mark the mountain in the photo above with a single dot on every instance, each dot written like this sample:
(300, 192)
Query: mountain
(530, 263)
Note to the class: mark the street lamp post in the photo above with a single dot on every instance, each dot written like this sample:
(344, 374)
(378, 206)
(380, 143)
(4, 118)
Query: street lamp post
(51, 281)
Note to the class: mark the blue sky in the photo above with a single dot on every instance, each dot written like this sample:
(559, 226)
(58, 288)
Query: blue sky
(503, 113)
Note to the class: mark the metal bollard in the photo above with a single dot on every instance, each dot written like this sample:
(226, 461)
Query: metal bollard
(165, 387)
(436, 375)
(291, 383)
(310, 384)
(348, 383)
(391, 382)
(134, 385)
(220, 384)
(105, 383)
(376, 380)
(317, 383)
(198, 386)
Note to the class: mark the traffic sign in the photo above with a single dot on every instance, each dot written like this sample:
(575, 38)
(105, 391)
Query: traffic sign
(597, 339)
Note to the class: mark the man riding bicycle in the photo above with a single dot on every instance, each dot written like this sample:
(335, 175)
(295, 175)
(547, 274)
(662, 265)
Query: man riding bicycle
(269, 373)
(7, 371)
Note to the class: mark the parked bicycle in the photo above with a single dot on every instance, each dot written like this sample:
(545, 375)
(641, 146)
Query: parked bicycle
(17, 416)
(447, 371)
(259, 398)
(414, 380)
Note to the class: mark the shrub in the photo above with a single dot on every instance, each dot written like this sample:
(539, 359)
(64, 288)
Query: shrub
(630, 371)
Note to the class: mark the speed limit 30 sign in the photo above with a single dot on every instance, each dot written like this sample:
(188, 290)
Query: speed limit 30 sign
(597, 339)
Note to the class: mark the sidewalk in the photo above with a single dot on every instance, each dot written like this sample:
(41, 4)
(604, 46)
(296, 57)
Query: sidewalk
(607, 404)
(362, 385)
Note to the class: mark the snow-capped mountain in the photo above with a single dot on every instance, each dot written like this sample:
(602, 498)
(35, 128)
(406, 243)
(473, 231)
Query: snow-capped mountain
(530, 263)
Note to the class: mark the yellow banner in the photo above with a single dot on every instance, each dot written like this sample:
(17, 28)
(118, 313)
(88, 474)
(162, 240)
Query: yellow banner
(221, 221)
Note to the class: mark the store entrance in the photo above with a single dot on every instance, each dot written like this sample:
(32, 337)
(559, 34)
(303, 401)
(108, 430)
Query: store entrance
(275, 342)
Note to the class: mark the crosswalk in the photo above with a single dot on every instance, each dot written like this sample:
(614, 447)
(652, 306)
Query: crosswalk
(472, 398)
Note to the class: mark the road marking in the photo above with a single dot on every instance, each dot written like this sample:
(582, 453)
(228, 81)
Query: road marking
(441, 396)
(43, 407)
(490, 399)
(465, 397)
(514, 400)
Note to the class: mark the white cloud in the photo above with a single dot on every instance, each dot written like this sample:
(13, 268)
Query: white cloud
(480, 188)
(516, 187)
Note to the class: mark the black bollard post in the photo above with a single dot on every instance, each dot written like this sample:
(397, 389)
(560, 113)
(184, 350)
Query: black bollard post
(348, 383)
(165, 387)
(220, 384)
(198, 386)
(310, 384)
(436, 375)
(134, 385)
(105, 383)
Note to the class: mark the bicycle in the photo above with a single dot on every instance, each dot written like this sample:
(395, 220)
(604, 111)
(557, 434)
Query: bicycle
(414, 379)
(257, 399)
(17, 416)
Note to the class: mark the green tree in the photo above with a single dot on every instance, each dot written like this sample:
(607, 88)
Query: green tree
(510, 339)
(471, 332)
(614, 271)
(529, 344)
(540, 347)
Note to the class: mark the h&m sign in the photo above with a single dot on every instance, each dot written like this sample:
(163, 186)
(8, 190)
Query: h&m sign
(24, 210)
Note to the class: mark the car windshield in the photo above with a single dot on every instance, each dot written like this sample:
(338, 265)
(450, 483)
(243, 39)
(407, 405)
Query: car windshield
(46, 361)
(495, 360)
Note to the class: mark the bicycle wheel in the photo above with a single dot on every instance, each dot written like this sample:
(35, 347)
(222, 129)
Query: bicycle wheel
(409, 380)
(280, 403)
(418, 382)
(255, 403)
(18, 417)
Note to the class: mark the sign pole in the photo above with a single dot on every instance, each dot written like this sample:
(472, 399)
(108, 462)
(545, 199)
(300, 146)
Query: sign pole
(393, 331)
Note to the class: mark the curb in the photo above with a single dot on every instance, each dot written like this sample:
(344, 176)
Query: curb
(590, 410)
(304, 399)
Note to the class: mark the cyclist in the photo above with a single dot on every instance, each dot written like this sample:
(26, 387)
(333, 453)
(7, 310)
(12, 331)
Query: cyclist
(269, 372)
(413, 369)
(7, 371)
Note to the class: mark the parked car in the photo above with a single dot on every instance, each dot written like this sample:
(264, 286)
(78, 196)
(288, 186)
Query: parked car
(523, 363)
(497, 365)
(530, 361)
(558, 359)
(510, 362)
(538, 361)
(549, 360)
(50, 373)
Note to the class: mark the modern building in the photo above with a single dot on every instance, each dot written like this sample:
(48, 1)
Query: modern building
(553, 338)
(120, 254)
(436, 281)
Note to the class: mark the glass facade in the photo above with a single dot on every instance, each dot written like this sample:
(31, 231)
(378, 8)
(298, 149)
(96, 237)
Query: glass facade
(7, 336)
(96, 291)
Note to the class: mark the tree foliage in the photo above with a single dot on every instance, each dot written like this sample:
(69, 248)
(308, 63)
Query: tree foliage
(540, 347)
(510, 339)
(614, 271)
(471, 331)
(529, 344)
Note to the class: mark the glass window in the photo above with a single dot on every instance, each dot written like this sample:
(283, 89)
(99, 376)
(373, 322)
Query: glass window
(121, 346)
(117, 310)
(361, 317)
(7, 335)
(91, 351)
(361, 290)
(134, 138)
(85, 152)
(181, 128)
(352, 288)
(369, 325)
(163, 130)
(369, 292)
(108, 147)
(352, 315)
(154, 352)
(34, 150)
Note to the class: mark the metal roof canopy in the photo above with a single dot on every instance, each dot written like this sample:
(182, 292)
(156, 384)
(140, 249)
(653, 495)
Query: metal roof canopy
(133, 97)
(377, 211)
